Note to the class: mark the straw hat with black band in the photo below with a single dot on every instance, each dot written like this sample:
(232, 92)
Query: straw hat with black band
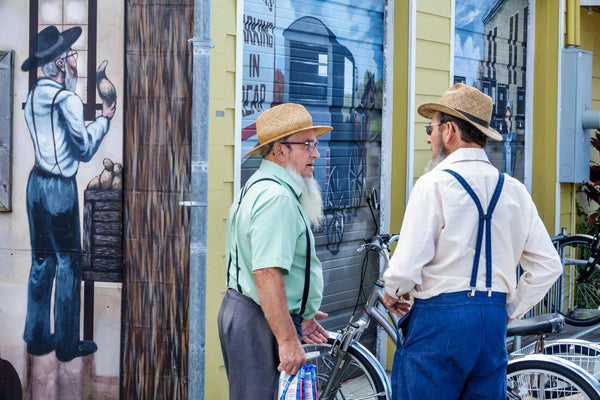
(48, 44)
(466, 103)
(281, 121)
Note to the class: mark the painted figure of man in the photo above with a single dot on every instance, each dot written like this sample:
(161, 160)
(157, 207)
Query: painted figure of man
(55, 119)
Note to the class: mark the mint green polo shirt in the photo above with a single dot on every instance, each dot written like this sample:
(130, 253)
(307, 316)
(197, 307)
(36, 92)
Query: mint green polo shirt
(269, 230)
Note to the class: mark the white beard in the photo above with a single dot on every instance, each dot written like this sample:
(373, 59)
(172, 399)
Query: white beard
(70, 80)
(311, 199)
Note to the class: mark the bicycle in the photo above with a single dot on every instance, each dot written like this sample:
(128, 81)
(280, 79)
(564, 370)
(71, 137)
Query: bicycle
(346, 370)
(576, 294)
(550, 370)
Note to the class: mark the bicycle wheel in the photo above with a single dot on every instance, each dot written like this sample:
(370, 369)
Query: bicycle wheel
(362, 379)
(577, 299)
(546, 377)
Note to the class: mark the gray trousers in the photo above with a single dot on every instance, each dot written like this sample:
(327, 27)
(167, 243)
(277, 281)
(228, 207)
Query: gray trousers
(249, 349)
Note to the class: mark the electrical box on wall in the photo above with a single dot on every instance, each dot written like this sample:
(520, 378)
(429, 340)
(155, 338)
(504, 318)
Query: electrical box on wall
(575, 98)
(6, 106)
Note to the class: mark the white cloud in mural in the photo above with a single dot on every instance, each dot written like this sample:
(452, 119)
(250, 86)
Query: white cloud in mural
(466, 16)
(470, 11)
(467, 55)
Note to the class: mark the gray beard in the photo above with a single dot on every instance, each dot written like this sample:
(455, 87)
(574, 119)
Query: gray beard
(436, 159)
(311, 199)
(434, 162)
(70, 81)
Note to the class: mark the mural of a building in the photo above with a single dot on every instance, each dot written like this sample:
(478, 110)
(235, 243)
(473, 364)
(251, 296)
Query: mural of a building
(492, 55)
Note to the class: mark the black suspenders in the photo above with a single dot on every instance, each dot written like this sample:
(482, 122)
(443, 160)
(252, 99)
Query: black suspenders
(485, 219)
(308, 250)
(51, 125)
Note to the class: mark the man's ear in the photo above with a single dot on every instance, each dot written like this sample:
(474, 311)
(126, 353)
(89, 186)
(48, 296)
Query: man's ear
(448, 133)
(278, 152)
(60, 63)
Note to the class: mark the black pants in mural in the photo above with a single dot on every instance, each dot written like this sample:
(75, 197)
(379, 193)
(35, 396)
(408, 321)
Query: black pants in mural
(52, 207)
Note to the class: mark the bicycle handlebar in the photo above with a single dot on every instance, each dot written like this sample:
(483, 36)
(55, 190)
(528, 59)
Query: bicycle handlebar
(377, 243)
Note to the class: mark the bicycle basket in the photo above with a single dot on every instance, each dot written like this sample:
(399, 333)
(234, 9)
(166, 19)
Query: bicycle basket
(583, 353)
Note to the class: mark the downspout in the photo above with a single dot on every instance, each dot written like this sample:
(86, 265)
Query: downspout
(199, 200)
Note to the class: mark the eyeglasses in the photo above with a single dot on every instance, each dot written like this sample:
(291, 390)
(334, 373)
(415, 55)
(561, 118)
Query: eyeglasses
(429, 129)
(73, 54)
(310, 146)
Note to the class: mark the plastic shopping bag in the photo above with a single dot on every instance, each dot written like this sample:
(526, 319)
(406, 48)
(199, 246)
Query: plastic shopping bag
(302, 386)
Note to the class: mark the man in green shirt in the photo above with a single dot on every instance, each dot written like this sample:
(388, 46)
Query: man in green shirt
(274, 278)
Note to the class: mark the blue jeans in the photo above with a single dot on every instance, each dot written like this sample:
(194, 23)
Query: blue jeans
(453, 348)
(52, 207)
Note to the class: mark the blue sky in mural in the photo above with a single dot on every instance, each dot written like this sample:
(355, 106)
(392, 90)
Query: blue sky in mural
(354, 27)
(468, 39)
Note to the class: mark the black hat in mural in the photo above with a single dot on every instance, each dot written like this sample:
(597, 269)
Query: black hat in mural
(48, 44)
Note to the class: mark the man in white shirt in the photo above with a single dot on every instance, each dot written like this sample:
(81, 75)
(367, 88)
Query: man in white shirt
(466, 228)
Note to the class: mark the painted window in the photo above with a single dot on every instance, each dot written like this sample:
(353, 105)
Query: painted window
(65, 14)
(491, 54)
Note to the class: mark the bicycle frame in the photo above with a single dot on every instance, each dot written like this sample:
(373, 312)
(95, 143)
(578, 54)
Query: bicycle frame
(350, 335)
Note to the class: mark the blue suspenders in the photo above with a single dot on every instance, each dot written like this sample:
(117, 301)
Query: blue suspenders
(485, 219)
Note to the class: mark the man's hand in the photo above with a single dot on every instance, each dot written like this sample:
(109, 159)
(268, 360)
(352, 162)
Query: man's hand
(312, 331)
(271, 293)
(109, 110)
(291, 356)
(397, 306)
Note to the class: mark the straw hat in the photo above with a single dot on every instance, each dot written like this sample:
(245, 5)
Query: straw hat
(281, 121)
(467, 103)
(48, 44)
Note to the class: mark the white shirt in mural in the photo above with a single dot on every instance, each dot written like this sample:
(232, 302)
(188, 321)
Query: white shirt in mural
(58, 151)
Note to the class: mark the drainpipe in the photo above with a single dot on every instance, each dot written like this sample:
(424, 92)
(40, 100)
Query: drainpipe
(199, 200)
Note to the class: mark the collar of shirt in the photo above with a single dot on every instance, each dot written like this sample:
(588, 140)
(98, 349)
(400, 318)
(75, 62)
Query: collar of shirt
(463, 154)
(271, 169)
(49, 82)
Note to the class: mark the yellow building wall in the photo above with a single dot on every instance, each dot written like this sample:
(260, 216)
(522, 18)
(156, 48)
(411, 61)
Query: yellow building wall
(585, 34)
(432, 77)
(432, 68)
(220, 183)
(590, 41)
(545, 87)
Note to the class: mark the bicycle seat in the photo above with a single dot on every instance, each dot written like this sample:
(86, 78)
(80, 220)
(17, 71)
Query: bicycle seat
(545, 323)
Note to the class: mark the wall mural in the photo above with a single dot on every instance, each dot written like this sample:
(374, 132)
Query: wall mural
(61, 140)
(327, 56)
(491, 54)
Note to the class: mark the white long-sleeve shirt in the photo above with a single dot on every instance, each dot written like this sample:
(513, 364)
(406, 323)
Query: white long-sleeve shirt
(72, 141)
(437, 241)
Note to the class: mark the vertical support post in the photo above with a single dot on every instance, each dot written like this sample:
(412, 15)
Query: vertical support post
(199, 196)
